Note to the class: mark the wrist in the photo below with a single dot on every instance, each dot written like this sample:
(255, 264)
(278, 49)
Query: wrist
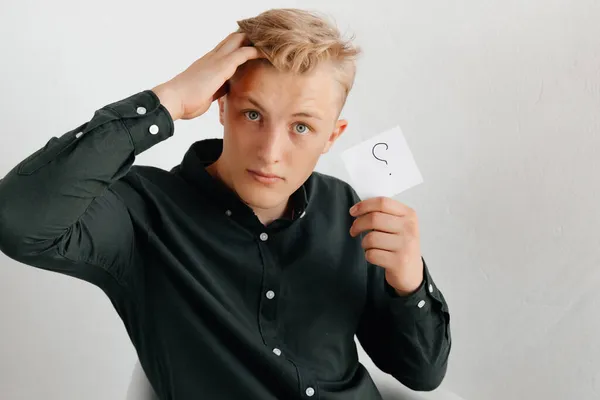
(404, 293)
(169, 99)
(405, 287)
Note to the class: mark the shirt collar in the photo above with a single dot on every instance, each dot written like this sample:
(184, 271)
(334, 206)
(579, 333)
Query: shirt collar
(193, 169)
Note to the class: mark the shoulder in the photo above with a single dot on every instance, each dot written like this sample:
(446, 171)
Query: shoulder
(153, 178)
(143, 182)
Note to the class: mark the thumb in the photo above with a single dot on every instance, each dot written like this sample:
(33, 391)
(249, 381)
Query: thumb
(223, 90)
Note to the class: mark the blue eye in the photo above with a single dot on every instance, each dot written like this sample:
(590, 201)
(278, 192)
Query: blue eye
(302, 131)
(255, 115)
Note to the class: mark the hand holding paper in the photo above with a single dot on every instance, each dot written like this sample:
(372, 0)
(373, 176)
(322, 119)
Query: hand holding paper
(382, 167)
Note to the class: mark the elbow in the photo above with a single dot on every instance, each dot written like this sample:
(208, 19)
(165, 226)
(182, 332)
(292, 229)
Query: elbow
(9, 244)
(18, 245)
(10, 239)
(20, 233)
(427, 380)
(427, 375)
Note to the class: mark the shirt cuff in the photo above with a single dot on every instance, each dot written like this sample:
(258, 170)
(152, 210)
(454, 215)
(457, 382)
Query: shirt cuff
(416, 304)
(142, 114)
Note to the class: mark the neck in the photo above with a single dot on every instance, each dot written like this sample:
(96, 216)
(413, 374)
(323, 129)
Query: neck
(268, 215)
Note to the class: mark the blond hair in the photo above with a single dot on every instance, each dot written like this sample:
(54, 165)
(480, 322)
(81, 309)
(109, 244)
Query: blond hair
(296, 41)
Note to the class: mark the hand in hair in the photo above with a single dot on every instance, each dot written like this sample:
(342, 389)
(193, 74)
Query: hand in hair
(190, 93)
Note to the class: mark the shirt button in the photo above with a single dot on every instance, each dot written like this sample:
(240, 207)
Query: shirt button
(310, 392)
(264, 237)
(228, 213)
(153, 129)
(421, 304)
(141, 110)
(430, 288)
(303, 214)
(270, 294)
(277, 351)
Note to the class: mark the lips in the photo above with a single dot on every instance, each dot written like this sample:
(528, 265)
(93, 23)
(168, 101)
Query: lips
(265, 178)
(265, 174)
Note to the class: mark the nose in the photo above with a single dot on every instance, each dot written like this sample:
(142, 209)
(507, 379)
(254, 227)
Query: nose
(271, 144)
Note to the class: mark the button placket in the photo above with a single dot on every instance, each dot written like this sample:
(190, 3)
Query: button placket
(270, 286)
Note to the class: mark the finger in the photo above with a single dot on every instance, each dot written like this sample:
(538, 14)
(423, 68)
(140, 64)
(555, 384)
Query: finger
(382, 258)
(222, 42)
(382, 204)
(223, 90)
(242, 55)
(377, 221)
(232, 43)
(227, 38)
(381, 241)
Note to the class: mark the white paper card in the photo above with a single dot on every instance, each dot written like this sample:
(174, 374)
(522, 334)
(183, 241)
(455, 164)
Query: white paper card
(382, 165)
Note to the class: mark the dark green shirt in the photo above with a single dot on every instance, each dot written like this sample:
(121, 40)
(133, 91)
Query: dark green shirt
(217, 305)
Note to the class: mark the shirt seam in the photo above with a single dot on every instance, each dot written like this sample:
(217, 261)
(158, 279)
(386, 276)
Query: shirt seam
(101, 266)
(120, 119)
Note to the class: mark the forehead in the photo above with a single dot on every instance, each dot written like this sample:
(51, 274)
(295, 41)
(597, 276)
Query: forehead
(283, 89)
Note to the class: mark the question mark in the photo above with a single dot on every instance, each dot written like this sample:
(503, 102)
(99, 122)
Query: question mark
(373, 152)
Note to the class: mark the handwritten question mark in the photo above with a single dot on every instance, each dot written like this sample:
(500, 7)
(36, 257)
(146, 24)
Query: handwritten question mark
(377, 158)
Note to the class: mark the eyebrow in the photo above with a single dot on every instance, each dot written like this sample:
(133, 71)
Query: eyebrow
(298, 114)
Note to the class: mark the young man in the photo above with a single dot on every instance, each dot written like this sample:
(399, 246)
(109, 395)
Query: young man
(240, 273)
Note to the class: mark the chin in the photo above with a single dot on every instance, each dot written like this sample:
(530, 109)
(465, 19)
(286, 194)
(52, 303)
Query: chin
(259, 196)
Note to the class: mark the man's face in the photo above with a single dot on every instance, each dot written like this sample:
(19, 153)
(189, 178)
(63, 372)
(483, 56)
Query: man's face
(276, 124)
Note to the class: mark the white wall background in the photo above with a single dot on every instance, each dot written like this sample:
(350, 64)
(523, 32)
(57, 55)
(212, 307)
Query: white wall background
(499, 102)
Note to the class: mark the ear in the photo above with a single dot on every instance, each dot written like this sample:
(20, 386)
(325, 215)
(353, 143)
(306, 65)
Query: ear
(340, 127)
(221, 102)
